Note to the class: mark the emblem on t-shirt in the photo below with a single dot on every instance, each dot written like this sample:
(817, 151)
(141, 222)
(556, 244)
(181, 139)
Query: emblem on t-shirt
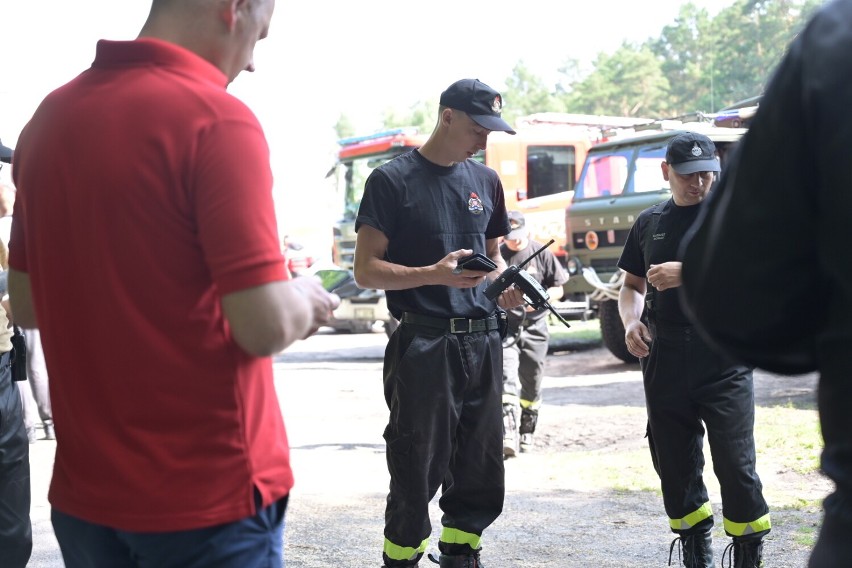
(658, 236)
(474, 204)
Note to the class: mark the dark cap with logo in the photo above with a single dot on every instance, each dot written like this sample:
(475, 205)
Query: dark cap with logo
(518, 226)
(5, 153)
(481, 103)
(690, 152)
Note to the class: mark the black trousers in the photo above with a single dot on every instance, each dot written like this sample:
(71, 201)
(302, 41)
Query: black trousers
(689, 386)
(833, 549)
(445, 429)
(16, 539)
(523, 364)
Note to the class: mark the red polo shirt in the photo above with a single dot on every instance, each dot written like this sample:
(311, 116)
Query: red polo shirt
(144, 195)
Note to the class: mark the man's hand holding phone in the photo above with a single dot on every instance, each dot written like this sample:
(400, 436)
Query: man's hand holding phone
(476, 261)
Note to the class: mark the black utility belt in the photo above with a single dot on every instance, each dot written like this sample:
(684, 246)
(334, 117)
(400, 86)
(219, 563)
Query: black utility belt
(452, 325)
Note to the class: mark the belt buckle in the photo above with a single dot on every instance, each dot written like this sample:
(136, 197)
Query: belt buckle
(453, 328)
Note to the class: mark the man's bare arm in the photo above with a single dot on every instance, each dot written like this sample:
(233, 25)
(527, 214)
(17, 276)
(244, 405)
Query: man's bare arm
(267, 319)
(372, 271)
(631, 304)
(264, 320)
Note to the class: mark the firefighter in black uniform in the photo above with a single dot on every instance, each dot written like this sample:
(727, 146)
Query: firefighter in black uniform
(525, 347)
(686, 382)
(420, 214)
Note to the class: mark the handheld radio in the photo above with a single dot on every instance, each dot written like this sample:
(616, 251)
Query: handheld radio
(534, 293)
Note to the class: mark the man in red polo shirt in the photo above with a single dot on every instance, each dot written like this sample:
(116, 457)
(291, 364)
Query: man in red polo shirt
(145, 248)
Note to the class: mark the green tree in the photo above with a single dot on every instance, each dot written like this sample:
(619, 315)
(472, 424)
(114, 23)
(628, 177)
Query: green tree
(344, 127)
(629, 82)
(527, 93)
(422, 114)
(752, 37)
(687, 50)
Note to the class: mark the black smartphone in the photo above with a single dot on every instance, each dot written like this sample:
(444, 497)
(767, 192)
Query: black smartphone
(476, 261)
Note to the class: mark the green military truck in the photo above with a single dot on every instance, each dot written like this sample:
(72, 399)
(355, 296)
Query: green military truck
(620, 178)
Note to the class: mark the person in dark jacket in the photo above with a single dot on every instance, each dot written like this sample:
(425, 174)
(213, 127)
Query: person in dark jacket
(767, 269)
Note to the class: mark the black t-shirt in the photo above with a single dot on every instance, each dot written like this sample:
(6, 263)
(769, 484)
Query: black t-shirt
(544, 268)
(672, 224)
(427, 211)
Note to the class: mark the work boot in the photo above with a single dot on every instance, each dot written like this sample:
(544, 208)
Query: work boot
(458, 560)
(510, 430)
(529, 419)
(747, 553)
(390, 563)
(696, 550)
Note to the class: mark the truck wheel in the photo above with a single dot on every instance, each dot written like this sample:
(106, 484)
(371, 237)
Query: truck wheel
(612, 331)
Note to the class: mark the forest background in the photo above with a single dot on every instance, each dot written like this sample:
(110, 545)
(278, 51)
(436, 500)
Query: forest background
(699, 62)
(335, 69)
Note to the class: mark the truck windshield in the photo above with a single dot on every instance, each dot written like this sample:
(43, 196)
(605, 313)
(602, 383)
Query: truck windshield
(351, 177)
(618, 171)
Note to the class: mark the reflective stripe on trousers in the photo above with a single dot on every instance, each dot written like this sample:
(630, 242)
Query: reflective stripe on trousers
(687, 387)
(445, 428)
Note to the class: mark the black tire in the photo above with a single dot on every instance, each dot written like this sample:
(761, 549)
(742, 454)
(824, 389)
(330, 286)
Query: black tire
(612, 331)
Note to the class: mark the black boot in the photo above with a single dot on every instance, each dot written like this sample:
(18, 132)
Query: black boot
(458, 560)
(510, 430)
(697, 550)
(529, 419)
(412, 563)
(747, 552)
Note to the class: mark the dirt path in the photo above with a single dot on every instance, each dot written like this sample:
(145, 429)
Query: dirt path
(587, 497)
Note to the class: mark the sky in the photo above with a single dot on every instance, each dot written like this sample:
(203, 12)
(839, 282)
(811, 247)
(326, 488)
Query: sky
(327, 57)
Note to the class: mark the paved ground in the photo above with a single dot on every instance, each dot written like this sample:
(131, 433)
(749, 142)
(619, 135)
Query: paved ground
(556, 513)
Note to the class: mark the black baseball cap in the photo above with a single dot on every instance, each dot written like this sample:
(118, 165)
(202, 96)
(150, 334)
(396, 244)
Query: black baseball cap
(518, 226)
(481, 103)
(690, 152)
(5, 153)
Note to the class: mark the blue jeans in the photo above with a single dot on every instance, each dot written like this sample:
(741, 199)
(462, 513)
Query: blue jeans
(254, 542)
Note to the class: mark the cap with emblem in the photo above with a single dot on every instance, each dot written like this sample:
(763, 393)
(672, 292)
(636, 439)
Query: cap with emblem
(518, 226)
(481, 103)
(690, 152)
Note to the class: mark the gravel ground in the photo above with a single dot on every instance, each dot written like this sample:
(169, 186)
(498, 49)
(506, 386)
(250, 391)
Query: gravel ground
(562, 508)
(557, 513)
